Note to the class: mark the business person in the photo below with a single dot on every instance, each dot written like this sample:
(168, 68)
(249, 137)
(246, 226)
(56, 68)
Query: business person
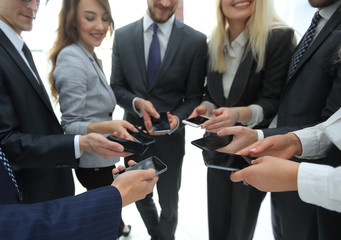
(78, 82)
(316, 183)
(30, 134)
(94, 214)
(249, 54)
(310, 96)
(173, 83)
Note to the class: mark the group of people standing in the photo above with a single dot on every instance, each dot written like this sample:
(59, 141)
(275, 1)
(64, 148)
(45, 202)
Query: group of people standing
(256, 78)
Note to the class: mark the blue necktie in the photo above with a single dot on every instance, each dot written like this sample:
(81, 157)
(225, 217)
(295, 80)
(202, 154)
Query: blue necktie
(154, 57)
(305, 42)
(8, 168)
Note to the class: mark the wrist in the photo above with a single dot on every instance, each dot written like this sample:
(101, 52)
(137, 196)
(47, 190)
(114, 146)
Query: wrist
(237, 114)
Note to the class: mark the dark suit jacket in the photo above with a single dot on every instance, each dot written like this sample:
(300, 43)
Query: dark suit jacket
(30, 134)
(178, 86)
(316, 82)
(250, 87)
(91, 215)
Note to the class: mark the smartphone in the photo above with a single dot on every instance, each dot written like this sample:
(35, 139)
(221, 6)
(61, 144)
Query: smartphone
(226, 161)
(150, 162)
(162, 124)
(129, 146)
(195, 121)
(142, 137)
(212, 142)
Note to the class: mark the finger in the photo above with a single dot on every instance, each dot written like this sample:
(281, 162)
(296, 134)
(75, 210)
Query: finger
(131, 163)
(236, 176)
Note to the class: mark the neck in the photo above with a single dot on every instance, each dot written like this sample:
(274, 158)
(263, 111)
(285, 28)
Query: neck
(235, 28)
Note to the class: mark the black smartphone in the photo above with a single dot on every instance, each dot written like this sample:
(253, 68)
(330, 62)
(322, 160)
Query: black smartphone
(129, 146)
(142, 137)
(150, 162)
(212, 142)
(195, 121)
(161, 124)
(226, 161)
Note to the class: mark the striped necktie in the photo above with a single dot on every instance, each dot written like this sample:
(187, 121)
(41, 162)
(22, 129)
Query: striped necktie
(305, 43)
(8, 168)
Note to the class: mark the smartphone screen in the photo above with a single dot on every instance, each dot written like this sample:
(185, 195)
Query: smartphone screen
(162, 124)
(142, 137)
(226, 161)
(150, 162)
(195, 121)
(212, 142)
(129, 146)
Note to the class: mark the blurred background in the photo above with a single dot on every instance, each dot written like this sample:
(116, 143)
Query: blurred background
(199, 14)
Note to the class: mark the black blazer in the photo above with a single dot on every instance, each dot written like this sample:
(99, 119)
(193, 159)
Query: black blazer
(313, 92)
(178, 85)
(30, 134)
(250, 87)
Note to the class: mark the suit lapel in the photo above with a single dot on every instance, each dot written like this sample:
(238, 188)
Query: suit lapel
(139, 50)
(172, 47)
(16, 57)
(325, 32)
(240, 80)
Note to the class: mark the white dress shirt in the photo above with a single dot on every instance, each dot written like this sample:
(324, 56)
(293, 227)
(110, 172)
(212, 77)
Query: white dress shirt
(320, 184)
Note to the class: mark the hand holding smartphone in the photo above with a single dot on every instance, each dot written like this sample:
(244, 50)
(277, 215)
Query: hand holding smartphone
(151, 162)
(161, 125)
(195, 121)
(129, 146)
(142, 137)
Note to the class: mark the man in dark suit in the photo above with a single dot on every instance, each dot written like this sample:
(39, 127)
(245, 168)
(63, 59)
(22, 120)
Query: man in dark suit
(30, 134)
(310, 96)
(94, 214)
(177, 88)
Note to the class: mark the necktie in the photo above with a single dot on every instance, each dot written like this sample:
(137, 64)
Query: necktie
(305, 42)
(154, 57)
(30, 61)
(4, 161)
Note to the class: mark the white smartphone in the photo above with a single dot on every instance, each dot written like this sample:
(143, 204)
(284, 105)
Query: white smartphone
(195, 121)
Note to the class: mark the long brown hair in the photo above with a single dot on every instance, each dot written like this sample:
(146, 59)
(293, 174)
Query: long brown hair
(67, 34)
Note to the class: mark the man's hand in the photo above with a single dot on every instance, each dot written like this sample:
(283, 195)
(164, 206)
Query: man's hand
(147, 109)
(98, 144)
(134, 185)
(283, 146)
(243, 137)
(269, 174)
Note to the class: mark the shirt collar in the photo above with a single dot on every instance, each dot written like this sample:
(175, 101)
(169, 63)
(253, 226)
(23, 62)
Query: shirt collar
(12, 35)
(240, 42)
(328, 12)
(165, 28)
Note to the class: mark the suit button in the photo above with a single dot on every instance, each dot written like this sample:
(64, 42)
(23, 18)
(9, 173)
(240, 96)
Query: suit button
(21, 198)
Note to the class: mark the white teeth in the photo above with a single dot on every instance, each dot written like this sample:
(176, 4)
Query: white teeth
(242, 4)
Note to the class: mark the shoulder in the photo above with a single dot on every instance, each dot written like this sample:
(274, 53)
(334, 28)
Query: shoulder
(189, 31)
(128, 29)
(281, 33)
(72, 55)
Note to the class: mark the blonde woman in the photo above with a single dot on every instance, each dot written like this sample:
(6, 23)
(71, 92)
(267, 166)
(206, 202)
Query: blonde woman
(249, 54)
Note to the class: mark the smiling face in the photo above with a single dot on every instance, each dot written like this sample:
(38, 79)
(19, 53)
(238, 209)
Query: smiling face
(161, 10)
(19, 15)
(92, 23)
(237, 10)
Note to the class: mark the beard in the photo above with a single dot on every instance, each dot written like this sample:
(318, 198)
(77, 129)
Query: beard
(321, 3)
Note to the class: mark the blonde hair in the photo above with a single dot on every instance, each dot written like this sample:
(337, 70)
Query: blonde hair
(258, 27)
(67, 34)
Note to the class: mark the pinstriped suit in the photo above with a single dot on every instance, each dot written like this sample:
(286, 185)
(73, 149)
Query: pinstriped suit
(91, 215)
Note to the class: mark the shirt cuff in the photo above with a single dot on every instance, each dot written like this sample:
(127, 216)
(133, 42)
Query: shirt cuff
(135, 110)
(78, 152)
(257, 115)
(260, 134)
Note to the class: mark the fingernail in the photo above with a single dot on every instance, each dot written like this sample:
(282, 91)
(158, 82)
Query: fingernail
(253, 149)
